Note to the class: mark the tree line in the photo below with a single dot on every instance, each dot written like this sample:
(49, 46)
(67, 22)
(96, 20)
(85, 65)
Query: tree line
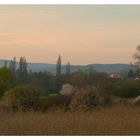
(13, 75)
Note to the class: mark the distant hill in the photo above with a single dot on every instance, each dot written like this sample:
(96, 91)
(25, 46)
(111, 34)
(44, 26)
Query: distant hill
(36, 67)
(110, 67)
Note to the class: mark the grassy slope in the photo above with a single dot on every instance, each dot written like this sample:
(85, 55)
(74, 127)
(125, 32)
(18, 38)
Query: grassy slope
(119, 120)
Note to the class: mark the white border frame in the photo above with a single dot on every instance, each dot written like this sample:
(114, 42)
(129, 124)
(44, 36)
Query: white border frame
(69, 1)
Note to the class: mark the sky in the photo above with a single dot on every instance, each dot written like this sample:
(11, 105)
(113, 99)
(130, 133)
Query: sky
(81, 34)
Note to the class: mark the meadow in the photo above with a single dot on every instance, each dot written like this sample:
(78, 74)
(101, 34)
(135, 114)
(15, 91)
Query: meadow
(115, 120)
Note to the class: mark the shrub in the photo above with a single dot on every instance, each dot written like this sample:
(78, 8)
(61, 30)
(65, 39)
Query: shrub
(88, 98)
(24, 97)
(126, 89)
(54, 101)
(5, 81)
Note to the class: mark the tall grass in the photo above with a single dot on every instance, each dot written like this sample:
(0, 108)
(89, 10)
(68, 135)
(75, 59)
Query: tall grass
(118, 120)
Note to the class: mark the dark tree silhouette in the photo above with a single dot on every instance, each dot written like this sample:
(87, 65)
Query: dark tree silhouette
(137, 62)
(23, 65)
(22, 70)
(5, 64)
(130, 73)
(137, 56)
(13, 65)
(58, 66)
(68, 70)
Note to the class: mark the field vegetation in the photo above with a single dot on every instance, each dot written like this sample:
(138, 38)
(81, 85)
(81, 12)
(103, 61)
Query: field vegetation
(117, 120)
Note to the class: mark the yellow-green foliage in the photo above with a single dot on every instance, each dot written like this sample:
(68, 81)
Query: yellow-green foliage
(4, 80)
(23, 97)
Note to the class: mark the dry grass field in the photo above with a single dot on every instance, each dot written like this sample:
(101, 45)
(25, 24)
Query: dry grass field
(118, 120)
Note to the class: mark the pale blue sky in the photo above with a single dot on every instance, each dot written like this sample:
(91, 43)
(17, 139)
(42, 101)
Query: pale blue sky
(81, 34)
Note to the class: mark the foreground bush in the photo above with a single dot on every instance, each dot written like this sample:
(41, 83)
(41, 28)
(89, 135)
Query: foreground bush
(24, 97)
(89, 98)
(54, 101)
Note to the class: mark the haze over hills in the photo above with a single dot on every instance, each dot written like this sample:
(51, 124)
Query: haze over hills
(36, 67)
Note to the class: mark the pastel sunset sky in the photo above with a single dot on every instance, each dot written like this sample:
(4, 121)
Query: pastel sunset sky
(81, 34)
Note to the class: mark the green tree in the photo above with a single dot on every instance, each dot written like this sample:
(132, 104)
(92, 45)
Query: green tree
(4, 80)
(24, 97)
(44, 80)
(130, 73)
(126, 89)
(12, 68)
(79, 79)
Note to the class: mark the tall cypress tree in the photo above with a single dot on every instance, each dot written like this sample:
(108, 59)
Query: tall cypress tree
(23, 69)
(58, 66)
(13, 65)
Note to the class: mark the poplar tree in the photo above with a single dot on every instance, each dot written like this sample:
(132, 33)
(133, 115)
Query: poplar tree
(13, 65)
(58, 67)
(23, 69)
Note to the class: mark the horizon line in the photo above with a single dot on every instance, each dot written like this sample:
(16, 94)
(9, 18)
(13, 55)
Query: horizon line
(29, 62)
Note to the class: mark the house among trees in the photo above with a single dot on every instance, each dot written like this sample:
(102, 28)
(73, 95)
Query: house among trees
(114, 75)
